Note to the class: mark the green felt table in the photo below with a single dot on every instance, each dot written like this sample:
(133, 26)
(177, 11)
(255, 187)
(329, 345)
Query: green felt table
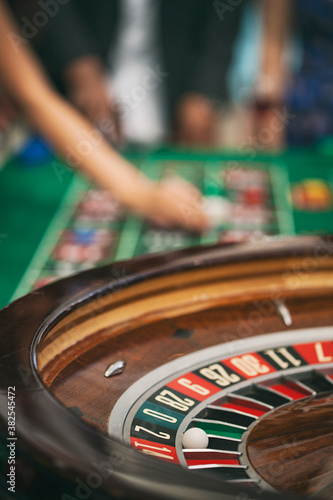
(37, 202)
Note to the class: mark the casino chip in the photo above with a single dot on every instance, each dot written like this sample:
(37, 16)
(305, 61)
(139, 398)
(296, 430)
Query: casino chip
(312, 195)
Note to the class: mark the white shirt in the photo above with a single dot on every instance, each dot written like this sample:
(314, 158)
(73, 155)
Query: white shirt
(136, 80)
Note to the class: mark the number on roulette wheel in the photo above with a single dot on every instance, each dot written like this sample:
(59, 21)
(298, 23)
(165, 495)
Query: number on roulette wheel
(199, 373)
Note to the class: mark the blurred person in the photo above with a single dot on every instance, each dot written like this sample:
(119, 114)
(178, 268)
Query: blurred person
(169, 203)
(155, 69)
(296, 105)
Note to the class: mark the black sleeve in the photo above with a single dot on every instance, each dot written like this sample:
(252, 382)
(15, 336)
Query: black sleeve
(65, 39)
(216, 33)
(57, 31)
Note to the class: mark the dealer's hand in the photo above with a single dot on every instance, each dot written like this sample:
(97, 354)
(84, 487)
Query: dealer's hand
(173, 203)
(87, 89)
(196, 121)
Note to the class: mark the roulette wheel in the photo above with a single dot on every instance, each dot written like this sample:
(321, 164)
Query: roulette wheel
(205, 372)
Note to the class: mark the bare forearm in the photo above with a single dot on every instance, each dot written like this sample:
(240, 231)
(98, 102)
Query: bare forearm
(83, 147)
(276, 21)
(73, 137)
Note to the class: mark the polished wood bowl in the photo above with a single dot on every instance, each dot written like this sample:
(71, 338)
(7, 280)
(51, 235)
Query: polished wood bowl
(58, 341)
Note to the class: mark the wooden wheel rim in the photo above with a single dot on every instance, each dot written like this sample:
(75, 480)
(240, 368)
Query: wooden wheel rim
(72, 445)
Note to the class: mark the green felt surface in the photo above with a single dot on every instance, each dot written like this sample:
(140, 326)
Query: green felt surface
(35, 201)
(29, 197)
